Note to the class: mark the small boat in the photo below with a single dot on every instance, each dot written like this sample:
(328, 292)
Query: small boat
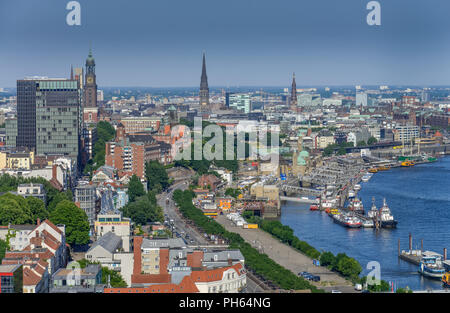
(367, 223)
(373, 170)
(384, 168)
(365, 178)
(431, 266)
(357, 187)
(313, 208)
(407, 163)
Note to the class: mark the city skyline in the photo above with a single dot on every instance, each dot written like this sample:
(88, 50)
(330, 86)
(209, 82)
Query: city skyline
(248, 44)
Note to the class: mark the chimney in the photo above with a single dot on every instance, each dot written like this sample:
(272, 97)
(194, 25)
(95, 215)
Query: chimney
(54, 171)
(230, 262)
(445, 254)
(38, 222)
(410, 242)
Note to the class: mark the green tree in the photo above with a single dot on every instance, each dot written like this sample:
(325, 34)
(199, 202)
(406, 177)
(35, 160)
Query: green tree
(326, 258)
(3, 246)
(143, 211)
(75, 220)
(156, 175)
(371, 141)
(14, 209)
(135, 188)
(37, 208)
(361, 143)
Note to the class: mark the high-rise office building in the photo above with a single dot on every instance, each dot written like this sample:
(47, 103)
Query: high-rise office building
(204, 90)
(361, 99)
(48, 116)
(239, 101)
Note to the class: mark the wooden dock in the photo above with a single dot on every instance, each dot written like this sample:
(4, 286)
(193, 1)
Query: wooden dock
(413, 256)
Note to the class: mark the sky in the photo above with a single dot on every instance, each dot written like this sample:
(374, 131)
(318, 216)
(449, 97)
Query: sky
(159, 43)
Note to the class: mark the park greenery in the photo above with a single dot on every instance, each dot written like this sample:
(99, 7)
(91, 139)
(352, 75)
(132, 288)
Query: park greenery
(258, 262)
(105, 133)
(75, 220)
(115, 279)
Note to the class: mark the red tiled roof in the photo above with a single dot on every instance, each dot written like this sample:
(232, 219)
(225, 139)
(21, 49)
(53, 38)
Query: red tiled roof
(186, 286)
(30, 278)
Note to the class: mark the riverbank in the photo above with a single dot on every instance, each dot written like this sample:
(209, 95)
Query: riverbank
(419, 199)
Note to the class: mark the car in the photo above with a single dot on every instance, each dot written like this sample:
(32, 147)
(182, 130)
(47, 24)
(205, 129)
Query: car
(365, 291)
(315, 278)
(192, 241)
(336, 291)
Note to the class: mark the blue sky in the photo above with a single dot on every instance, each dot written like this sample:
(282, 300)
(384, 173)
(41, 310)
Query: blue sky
(158, 43)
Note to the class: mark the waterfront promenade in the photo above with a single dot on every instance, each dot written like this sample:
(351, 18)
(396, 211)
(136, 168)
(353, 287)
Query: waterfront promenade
(288, 257)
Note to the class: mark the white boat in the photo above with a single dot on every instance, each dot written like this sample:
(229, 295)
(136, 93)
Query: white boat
(431, 266)
(373, 212)
(386, 218)
(357, 187)
(351, 194)
(367, 223)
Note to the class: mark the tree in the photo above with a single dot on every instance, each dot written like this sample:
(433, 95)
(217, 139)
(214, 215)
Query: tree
(143, 210)
(3, 246)
(75, 220)
(361, 143)
(157, 178)
(327, 258)
(371, 141)
(135, 188)
(37, 208)
(14, 209)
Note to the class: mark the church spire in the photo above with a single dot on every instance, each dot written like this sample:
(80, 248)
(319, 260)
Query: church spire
(204, 90)
(293, 93)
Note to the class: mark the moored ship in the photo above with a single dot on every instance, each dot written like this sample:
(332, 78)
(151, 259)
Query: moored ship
(431, 266)
(373, 212)
(347, 220)
(356, 206)
(386, 217)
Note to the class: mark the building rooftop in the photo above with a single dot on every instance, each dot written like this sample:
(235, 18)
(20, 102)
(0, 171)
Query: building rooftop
(110, 242)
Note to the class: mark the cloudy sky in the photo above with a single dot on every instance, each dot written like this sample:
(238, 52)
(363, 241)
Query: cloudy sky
(159, 43)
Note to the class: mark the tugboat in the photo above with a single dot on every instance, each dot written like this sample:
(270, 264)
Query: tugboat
(373, 212)
(313, 208)
(431, 266)
(386, 218)
(356, 206)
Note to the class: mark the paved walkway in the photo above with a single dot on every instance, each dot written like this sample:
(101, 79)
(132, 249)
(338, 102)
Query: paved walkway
(288, 257)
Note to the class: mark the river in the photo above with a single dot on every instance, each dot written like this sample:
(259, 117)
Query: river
(419, 198)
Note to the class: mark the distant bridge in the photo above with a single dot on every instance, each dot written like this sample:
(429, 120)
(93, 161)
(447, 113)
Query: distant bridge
(296, 199)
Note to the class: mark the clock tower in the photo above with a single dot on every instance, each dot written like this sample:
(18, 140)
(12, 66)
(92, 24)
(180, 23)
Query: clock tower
(90, 87)
(90, 109)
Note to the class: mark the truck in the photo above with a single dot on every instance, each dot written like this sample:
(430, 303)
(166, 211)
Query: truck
(358, 287)
(250, 226)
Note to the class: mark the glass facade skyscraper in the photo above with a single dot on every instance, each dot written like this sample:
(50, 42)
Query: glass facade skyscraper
(49, 116)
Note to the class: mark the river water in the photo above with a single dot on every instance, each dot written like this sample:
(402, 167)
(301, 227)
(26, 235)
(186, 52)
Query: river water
(419, 198)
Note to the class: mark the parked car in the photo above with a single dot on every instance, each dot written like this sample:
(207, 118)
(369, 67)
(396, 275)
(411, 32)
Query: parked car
(335, 291)
(315, 278)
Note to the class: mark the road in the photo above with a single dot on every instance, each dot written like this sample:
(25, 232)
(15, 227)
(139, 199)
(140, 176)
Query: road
(288, 257)
(168, 205)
